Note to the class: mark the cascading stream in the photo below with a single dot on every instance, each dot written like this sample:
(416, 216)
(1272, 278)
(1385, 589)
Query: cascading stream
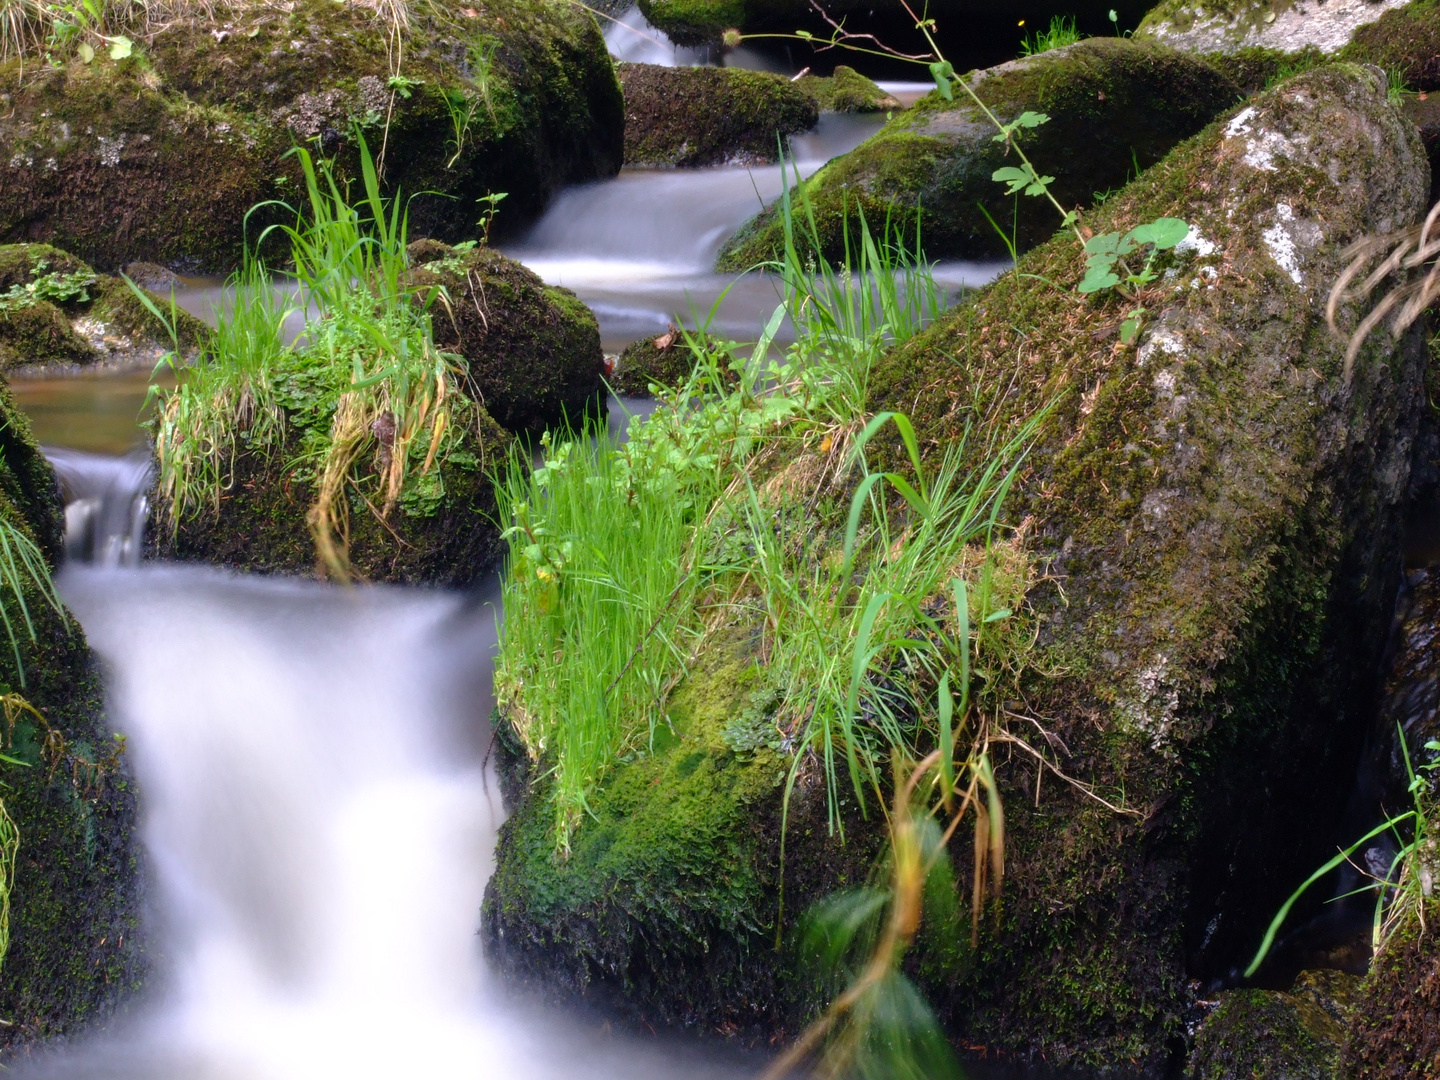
(319, 825)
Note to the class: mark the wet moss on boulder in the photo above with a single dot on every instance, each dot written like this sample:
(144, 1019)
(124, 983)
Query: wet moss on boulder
(693, 116)
(845, 90)
(532, 351)
(1279, 1036)
(1223, 510)
(76, 950)
(1405, 41)
(1395, 1033)
(160, 156)
(1113, 104)
(58, 313)
(648, 361)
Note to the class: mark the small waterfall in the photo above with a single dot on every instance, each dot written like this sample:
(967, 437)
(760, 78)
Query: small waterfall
(105, 504)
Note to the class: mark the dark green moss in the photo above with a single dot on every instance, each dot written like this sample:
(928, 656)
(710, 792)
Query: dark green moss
(1113, 105)
(160, 157)
(643, 363)
(692, 116)
(1405, 41)
(846, 91)
(1256, 69)
(75, 949)
(1395, 1033)
(40, 334)
(1264, 1033)
(532, 351)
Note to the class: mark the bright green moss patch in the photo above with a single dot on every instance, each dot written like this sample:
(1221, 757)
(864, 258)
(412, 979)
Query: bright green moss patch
(691, 116)
(1114, 105)
(846, 91)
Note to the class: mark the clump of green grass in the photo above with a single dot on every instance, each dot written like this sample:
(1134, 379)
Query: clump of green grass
(366, 376)
(1057, 35)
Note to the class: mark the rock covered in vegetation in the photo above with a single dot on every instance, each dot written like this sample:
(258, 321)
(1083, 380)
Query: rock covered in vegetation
(160, 156)
(1404, 40)
(1395, 1032)
(1113, 104)
(1229, 25)
(55, 311)
(692, 116)
(665, 360)
(1219, 509)
(75, 911)
(532, 351)
(1280, 1036)
(845, 90)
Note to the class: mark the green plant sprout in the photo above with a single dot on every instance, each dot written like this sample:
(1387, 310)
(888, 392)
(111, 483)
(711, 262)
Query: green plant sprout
(490, 206)
(1060, 33)
(1105, 266)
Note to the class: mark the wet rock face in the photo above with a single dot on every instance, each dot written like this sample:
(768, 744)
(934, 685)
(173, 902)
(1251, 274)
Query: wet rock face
(56, 313)
(1113, 104)
(1230, 25)
(76, 950)
(1280, 1036)
(693, 116)
(532, 351)
(159, 157)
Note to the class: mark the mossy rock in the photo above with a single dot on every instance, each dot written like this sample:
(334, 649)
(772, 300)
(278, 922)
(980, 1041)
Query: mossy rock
(1405, 41)
(442, 531)
(1113, 104)
(845, 90)
(101, 320)
(693, 116)
(1278, 1036)
(160, 157)
(532, 351)
(644, 362)
(1220, 514)
(76, 948)
(1287, 25)
(665, 908)
(1395, 1032)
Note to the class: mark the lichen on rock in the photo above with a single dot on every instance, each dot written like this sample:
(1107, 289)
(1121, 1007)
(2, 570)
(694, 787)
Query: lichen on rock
(1287, 25)
(1113, 105)
(693, 116)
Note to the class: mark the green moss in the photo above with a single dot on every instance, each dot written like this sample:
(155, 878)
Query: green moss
(1113, 104)
(1264, 1033)
(693, 22)
(693, 116)
(1396, 1027)
(1405, 41)
(40, 334)
(846, 91)
(1255, 69)
(643, 363)
(532, 351)
(75, 949)
(666, 908)
(160, 158)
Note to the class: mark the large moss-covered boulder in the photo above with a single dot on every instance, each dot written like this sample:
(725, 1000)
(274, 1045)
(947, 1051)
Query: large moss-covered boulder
(1395, 1032)
(1287, 25)
(1219, 510)
(56, 312)
(689, 116)
(75, 912)
(1295, 1035)
(1113, 105)
(532, 351)
(159, 156)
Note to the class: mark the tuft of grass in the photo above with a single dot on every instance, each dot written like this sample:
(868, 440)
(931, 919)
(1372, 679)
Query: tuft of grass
(1057, 35)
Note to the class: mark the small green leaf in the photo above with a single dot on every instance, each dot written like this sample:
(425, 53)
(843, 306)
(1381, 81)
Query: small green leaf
(1100, 275)
(1128, 331)
(1103, 244)
(1030, 120)
(86, 51)
(120, 47)
(996, 616)
(941, 71)
(1163, 232)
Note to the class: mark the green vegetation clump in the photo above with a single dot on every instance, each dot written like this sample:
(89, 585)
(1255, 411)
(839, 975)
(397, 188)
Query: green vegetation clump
(48, 296)
(1113, 105)
(358, 451)
(1060, 33)
(1405, 41)
(693, 116)
(1396, 1027)
(664, 361)
(846, 91)
(189, 130)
